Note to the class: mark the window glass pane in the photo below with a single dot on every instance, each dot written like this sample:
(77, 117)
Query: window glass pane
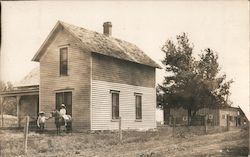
(113, 112)
(59, 100)
(116, 112)
(138, 107)
(114, 99)
(68, 102)
(115, 105)
(63, 61)
(63, 54)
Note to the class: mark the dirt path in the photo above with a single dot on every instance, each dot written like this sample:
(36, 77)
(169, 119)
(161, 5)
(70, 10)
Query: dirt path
(215, 144)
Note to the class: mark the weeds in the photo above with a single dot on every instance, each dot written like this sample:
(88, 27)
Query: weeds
(90, 144)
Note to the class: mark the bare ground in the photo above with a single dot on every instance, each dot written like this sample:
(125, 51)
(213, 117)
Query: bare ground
(150, 143)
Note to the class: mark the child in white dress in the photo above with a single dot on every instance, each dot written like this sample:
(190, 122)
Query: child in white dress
(63, 113)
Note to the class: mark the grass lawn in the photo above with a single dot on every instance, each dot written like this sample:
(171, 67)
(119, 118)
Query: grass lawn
(9, 120)
(187, 142)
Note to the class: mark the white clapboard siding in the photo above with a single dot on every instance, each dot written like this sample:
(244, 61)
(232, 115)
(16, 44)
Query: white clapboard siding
(101, 114)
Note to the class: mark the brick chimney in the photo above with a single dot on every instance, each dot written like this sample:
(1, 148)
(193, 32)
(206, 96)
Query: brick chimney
(107, 28)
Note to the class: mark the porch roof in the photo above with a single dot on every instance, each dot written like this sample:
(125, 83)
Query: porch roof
(20, 92)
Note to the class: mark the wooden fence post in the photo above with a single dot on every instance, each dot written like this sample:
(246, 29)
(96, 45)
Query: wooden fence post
(26, 131)
(1, 149)
(174, 123)
(228, 123)
(205, 123)
(120, 129)
(1, 103)
(248, 123)
(18, 111)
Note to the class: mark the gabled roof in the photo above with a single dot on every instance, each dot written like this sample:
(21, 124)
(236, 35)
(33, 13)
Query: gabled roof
(32, 79)
(101, 44)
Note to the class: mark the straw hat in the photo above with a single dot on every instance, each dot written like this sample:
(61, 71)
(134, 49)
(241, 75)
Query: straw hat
(41, 112)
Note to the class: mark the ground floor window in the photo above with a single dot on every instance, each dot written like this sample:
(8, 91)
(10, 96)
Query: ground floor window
(138, 106)
(115, 104)
(66, 99)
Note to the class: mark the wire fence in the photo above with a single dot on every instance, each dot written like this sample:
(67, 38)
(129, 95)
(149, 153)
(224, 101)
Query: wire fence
(11, 122)
(50, 126)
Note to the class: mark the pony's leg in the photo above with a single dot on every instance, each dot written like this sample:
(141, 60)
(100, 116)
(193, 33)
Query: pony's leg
(57, 130)
(42, 127)
(71, 127)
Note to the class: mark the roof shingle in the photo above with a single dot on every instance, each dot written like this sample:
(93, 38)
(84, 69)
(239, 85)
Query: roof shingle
(107, 45)
(32, 79)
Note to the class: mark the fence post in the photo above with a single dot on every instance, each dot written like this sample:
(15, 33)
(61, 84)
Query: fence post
(26, 131)
(120, 129)
(1, 149)
(1, 103)
(228, 123)
(248, 124)
(18, 111)
(174, 121)
(205, 123)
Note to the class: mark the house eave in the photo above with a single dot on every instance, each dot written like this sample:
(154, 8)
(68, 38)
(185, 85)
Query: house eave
(38, 54)
(152, 66)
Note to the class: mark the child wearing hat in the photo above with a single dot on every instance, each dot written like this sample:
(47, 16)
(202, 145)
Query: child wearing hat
(41, 120)
(63, 113)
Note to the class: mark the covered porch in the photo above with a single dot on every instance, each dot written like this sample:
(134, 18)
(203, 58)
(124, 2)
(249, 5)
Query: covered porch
(27, 103)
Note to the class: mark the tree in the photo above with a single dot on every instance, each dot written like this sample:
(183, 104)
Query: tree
(9, 103)
(190, 83)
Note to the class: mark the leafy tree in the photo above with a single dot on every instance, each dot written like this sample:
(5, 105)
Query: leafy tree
(9, 103)
(190, 83)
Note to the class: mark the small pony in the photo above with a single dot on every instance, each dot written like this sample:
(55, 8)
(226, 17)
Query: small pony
(60, 121)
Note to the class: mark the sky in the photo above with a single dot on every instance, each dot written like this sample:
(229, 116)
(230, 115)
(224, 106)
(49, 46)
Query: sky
(220, 25)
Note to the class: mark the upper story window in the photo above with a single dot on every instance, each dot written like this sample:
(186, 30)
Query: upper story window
(138, 106)
(115, 104)
(64, 61)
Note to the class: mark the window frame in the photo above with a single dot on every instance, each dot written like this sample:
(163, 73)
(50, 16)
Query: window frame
(115, 117)
(138, 117)
(61, 63)
(64, 95)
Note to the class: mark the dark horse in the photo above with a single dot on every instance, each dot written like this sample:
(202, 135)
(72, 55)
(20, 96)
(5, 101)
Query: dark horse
(59, 121)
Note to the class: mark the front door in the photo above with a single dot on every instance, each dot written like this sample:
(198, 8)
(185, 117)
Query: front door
(66, 99)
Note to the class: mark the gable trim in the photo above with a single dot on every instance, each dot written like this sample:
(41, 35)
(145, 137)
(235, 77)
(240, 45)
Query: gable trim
(54, 31)
(38, 53)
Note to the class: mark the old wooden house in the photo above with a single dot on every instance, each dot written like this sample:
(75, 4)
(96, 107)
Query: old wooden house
(214, 116)
(98, 77)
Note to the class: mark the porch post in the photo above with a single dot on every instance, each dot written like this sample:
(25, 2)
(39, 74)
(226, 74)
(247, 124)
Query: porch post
(1, 103)
(18, 110)
(248, 138)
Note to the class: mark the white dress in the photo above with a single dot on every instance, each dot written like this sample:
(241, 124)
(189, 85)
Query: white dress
(63, 113)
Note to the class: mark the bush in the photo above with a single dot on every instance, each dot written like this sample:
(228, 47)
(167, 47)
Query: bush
(9, 106)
